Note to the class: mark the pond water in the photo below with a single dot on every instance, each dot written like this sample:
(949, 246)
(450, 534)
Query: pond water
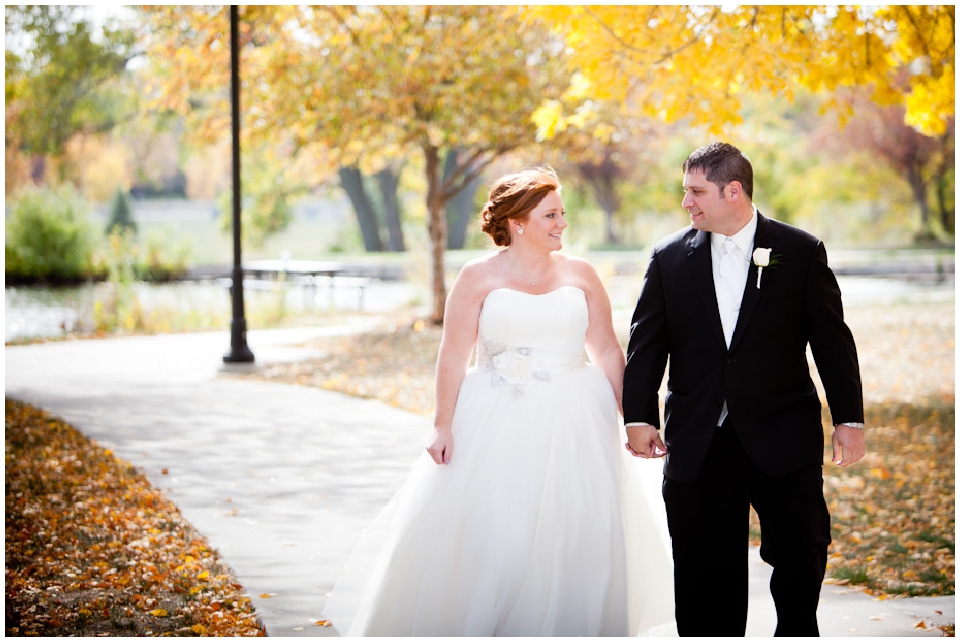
(52, 312)
(44, 312)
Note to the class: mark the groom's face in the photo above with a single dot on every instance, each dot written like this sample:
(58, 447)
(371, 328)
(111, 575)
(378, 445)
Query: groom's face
(709, 210)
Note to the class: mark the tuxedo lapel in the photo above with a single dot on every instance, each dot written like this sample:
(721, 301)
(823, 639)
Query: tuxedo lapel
(702, 268)
(751, 293)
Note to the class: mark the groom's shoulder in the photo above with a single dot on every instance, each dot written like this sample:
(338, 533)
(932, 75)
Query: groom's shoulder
(679, 239)
(791, 232)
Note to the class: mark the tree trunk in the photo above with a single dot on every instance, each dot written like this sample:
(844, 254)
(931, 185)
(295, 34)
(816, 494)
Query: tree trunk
(947, 216)
(943, 185)
(352, 182)
(388, 180)
(602, 177)
(437, 228)
(461, 212)
(612, 238)
(460, 209)
(919, 188)
(609, 201)
(38, 169)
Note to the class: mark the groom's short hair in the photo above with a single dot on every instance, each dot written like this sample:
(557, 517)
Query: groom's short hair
(722, 163)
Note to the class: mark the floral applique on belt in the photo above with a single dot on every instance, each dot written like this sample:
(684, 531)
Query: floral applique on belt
(512, 366)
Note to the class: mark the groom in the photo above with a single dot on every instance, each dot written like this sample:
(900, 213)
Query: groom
(732, 302)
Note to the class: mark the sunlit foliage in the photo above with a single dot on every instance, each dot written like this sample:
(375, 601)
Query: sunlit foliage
(696, 62)
(62, 81)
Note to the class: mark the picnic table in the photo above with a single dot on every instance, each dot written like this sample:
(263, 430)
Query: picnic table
(312, 274)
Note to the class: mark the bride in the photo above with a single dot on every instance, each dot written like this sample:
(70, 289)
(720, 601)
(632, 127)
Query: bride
(521, 517)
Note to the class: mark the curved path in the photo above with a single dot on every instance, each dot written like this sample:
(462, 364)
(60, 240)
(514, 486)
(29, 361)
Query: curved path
(281, 479)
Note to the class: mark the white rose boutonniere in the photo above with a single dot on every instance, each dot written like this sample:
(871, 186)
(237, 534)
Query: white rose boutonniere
(761, 258)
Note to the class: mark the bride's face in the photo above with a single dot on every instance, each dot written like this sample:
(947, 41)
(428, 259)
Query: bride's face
(545, 223)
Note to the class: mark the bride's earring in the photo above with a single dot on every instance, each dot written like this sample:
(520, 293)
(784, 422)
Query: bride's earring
(520, 229)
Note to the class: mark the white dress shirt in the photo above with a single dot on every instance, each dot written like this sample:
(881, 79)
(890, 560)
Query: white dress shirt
(731, 256)
(731, 280)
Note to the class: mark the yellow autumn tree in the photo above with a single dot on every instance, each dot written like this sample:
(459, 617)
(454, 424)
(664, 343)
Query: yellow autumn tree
(367, 85)
(697, 62)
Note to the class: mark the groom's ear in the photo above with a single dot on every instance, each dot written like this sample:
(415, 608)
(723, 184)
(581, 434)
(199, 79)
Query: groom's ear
(735, 190)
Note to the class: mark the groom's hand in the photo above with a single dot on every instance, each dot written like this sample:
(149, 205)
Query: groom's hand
(849, 445)
(643, 440)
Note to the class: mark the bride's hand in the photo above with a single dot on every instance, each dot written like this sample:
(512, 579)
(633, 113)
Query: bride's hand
(441, 446)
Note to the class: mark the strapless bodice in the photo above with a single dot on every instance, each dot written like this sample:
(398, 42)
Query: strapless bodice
(532, 336)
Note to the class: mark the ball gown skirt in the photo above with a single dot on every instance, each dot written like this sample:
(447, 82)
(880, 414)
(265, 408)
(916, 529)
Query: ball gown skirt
(538, 526)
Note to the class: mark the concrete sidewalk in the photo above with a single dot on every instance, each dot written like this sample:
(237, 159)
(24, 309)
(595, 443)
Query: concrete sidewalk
(281, 479)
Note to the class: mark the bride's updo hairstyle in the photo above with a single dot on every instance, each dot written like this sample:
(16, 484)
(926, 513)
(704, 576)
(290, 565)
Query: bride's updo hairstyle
(515, 196)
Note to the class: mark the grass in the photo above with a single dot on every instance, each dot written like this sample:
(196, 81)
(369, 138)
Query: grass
(851, 575)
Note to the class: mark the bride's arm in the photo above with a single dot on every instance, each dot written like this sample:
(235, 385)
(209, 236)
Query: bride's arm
(603, 346)
(460, 322)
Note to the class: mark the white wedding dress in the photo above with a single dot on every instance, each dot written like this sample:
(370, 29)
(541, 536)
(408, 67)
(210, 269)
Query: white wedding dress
(537, 526)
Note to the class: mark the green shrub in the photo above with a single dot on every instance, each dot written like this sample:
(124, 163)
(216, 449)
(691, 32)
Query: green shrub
(121, 213)
(163, 257)
(48, 237)
(121, 307)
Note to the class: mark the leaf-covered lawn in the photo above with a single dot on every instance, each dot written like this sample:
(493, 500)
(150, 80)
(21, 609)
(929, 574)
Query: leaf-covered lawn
(893, 513)
(92, 549)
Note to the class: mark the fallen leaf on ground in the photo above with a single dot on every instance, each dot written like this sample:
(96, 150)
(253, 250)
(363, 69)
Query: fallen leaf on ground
(121, 558)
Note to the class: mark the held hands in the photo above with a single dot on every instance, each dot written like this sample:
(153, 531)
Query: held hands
(849, 445)
(441, 446)
(644, 441)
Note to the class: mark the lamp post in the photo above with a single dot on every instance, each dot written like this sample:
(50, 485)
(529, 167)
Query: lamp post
(239, 352)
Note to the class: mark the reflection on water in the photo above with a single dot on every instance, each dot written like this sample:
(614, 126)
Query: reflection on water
(34, 311)
(51, 312)
(42, 312)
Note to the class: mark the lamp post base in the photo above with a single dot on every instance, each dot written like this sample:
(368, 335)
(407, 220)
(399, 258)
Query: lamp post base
(238, 355)
(239, 352)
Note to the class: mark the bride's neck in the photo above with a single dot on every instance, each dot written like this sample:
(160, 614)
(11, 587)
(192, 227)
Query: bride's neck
(529, 259)
(533, 269)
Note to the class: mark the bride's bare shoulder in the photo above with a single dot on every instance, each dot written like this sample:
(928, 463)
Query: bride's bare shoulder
(581, 271)
(576, 265)
(484, 259)
(480, 272)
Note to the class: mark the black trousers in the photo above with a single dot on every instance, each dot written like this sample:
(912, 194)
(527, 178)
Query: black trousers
(709, 528)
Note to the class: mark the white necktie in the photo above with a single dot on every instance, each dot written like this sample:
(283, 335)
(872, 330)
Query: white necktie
(730, 287)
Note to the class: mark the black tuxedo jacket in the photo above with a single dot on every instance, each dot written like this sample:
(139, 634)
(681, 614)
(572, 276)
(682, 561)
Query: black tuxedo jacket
(764, 376)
